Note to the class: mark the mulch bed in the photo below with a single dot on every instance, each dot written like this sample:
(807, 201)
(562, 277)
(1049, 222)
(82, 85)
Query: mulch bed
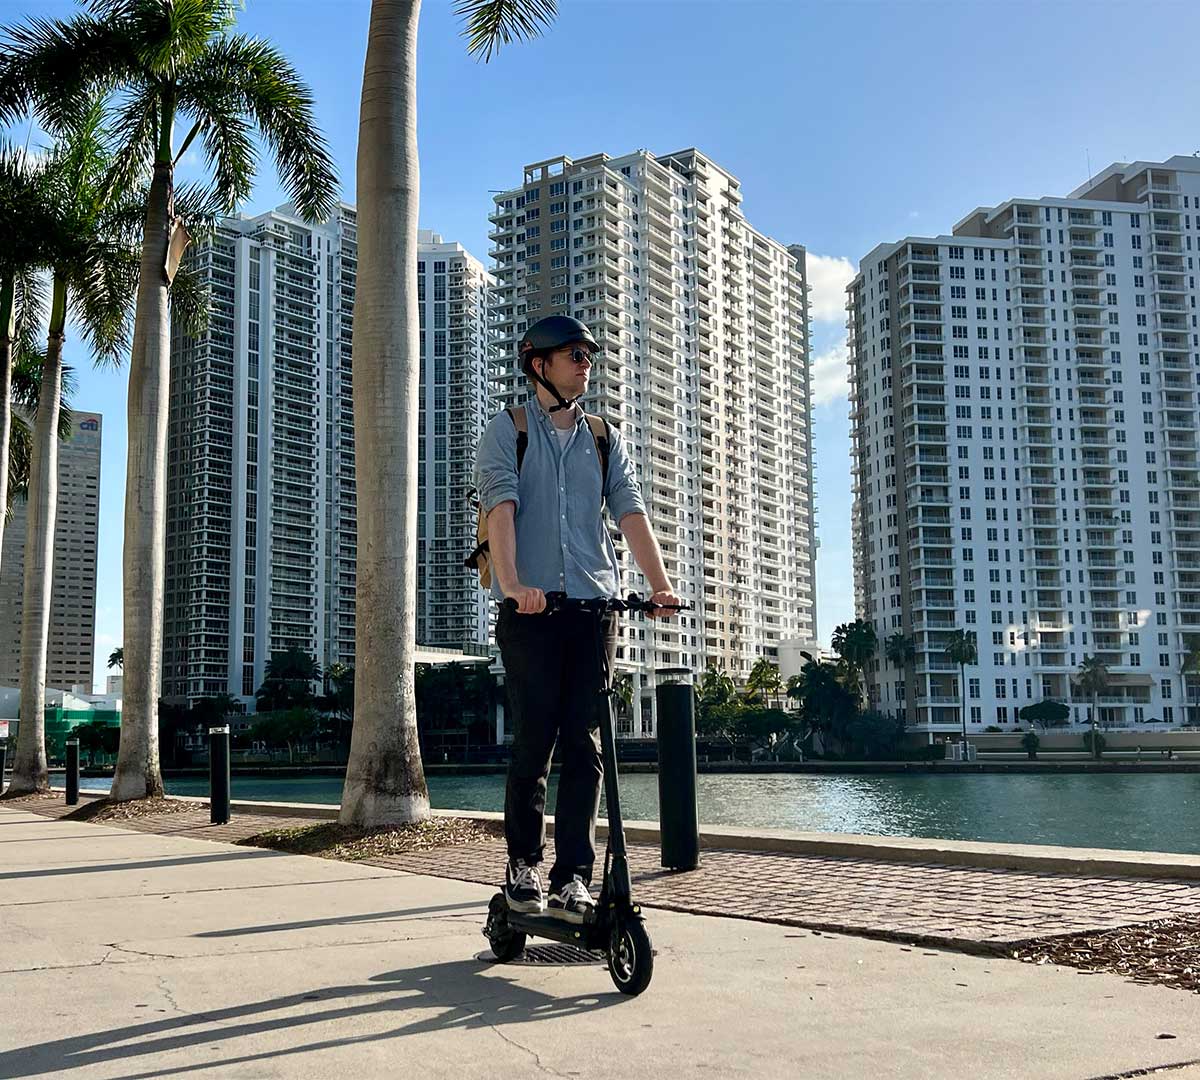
(36, 796)
(103, 810)
(349, 843)
(1165, 952)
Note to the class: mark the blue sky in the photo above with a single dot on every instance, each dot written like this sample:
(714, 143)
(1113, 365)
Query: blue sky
(849, 124)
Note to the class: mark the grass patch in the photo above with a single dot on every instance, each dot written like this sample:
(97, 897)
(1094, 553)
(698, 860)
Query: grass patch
(331, 840)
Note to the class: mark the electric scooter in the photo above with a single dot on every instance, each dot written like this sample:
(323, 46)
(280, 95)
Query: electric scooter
(615, 926)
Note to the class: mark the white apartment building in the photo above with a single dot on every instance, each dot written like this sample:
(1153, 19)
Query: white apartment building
(703, 322)
(1025, 455)
(261, 528)
(69, 658)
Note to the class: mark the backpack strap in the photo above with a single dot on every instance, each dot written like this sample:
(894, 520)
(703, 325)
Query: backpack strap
(521, 422)
(599, 428)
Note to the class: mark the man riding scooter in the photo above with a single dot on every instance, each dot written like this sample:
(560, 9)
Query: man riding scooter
(544, 472)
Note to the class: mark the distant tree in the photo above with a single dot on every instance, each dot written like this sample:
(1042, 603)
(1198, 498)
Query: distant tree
(288, 681)
(116, 658)
(961, 650)
(1092, 678)
(764, 683)
(1046, 714)
(856, 644)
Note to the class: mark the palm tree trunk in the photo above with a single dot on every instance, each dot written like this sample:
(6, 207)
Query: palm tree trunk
(29, 767)
(385, 782)
(8, 328)
(962, 709)
(137, 774)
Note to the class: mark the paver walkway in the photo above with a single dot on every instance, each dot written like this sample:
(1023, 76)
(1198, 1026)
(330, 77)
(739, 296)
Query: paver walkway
(973, 909)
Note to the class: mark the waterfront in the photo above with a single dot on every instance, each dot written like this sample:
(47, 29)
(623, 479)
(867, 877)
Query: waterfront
(1150, 812)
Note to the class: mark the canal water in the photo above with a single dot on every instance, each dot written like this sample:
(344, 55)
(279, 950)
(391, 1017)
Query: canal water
(1148, 811)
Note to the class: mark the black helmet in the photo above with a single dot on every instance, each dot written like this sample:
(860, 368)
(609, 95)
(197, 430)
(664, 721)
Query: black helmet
(551, 333)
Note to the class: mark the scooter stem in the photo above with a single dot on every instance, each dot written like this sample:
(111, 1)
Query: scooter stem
(617, 886)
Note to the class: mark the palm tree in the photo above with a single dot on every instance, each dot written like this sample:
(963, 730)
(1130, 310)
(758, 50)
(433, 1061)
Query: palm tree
(1093, 679)
(93, 269)
(856, 643)
(824, 702)
(622, 688)
(165, 60)
(116, 658)
(1190, 665)
(25, 229)
(764, 681)
(960, 650)
(901, 652)
(385, 782)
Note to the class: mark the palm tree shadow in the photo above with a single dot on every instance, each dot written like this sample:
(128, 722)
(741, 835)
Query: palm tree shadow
(454, 995)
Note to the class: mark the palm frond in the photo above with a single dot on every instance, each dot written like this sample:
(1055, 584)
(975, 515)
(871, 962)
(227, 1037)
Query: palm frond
(201, 209)
(20, 454)
(54, 66)
(32, 304)
(255, 78)
(103, 300)
(132, 134)
(229, 148)
(489, 24)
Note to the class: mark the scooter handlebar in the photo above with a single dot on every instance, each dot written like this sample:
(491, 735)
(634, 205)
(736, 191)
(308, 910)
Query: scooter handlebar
(560, 601)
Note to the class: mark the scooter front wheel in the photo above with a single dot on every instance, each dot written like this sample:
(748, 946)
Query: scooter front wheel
(630, 957)
(507, 943)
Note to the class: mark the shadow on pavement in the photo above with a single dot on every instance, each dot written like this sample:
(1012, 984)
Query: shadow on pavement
(458, 995)
(152, 864)
(478, 907)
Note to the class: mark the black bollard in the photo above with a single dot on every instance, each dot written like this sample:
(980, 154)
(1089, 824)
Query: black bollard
(3, 762)
(72, 772)
(218, 775)
(678, 819)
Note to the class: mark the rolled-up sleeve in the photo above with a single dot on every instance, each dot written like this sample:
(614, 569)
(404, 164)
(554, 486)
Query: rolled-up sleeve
(622, 492)
(496, 477)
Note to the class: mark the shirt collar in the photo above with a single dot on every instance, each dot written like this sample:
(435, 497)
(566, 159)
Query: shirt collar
(535, 405)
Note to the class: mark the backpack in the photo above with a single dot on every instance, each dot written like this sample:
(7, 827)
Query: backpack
(480, 559)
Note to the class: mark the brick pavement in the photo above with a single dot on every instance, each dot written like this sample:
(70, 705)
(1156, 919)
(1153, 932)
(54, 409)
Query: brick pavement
(972, 909)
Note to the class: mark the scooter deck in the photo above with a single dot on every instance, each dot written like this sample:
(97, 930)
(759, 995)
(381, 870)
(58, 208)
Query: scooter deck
(589, 935)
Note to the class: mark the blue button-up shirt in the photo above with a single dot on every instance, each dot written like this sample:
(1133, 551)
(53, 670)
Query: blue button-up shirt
(562, 543)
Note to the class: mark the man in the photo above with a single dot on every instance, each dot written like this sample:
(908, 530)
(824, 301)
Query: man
(546, 533)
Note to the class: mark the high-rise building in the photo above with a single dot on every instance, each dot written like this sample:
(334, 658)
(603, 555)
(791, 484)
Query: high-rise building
(703, 322)
(453, 287)
(261, 528)
(69, 660)
(1024, 415)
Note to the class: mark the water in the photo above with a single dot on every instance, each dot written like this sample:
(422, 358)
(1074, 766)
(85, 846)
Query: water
(1147, 812)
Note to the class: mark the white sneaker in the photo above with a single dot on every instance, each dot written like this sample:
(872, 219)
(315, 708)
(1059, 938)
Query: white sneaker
(523, 887)
(572, 902)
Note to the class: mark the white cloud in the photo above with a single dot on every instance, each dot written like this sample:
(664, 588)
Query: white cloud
(829, 375)
(828, 276)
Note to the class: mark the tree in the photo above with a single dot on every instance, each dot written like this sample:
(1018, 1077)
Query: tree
(164, 62)
(960, 650)
(116, 658)
(764, 682)
(385, 782)
(1093, 679)
(900, 649)
(288, 680)
(825, 704)
(90, 256)
(622, 688)
(287, 727)
(1190, 665)
(1046, 714)
(855, 643)
(96, 737)
(339, 700)
(26, 226)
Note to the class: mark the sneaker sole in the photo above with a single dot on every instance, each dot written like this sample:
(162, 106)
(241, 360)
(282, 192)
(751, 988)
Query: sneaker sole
(564, 914)
(526, 907)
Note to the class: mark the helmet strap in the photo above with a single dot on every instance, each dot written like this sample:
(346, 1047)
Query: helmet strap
(563, 403)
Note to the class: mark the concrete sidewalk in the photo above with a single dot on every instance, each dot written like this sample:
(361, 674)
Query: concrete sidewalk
(134, 955)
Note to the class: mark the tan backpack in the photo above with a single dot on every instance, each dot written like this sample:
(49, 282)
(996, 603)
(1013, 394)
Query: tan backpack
(480, 559)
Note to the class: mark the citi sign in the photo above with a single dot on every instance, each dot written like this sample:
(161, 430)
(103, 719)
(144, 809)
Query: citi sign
(89, 425)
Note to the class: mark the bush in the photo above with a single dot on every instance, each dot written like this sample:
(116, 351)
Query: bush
(992, 729)
(1100, 740)
(1031, 742)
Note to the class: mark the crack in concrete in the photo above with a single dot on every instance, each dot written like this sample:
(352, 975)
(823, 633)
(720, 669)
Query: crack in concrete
(309, 947)
(537, 1060)
(56, 967)
(170, 996)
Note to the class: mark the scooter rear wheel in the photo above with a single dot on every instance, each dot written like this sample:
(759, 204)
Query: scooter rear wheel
(630, 957)
(507, 943)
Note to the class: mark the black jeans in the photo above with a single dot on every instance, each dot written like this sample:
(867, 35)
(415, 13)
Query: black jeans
(554, 676)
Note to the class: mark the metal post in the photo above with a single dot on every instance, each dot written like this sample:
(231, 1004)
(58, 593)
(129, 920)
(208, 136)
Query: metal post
(218, 774)
(678, 817)
(3, 762)
(72, 772)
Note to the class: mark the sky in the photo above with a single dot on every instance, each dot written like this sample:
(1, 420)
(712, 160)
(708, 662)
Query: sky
(849, 124)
